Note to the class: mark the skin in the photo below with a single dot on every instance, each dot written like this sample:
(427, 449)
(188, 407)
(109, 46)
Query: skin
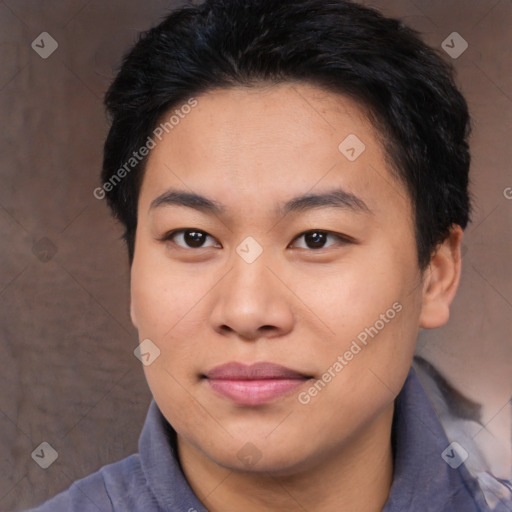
(301, 307)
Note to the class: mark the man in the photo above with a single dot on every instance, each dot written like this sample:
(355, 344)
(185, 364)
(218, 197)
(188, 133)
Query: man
(292, 178)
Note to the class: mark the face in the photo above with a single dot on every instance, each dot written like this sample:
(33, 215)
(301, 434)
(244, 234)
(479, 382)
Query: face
(285, 300)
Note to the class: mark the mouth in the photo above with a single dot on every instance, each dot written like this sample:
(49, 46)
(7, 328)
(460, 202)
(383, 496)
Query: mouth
(254, 384)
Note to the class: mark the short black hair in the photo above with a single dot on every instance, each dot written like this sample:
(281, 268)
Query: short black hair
(405, 87)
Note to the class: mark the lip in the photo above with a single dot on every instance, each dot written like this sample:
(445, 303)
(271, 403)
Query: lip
(254, 384)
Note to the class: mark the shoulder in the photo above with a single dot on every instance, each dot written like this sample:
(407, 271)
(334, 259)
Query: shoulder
(114, 487)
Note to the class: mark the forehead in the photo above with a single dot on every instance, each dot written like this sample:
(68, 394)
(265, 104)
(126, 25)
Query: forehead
(250, 146)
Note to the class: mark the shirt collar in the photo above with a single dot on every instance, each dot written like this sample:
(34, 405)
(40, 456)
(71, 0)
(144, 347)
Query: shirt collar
(422, 480)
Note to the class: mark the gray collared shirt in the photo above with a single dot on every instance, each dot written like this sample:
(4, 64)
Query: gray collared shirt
(152, 480)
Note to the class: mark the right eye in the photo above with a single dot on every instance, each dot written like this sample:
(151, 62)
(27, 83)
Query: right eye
(189, 238)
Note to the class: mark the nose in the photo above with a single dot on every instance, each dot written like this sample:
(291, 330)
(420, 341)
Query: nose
(251, 302)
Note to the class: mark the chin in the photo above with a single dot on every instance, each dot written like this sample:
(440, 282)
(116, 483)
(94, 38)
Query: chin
(262, 458)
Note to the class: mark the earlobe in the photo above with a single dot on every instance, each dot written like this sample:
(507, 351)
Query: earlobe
(441, 281)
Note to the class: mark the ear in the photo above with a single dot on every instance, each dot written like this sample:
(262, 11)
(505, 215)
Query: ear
(441, 281)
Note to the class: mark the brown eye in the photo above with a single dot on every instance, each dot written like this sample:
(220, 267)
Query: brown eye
(189, 238)
(317, 239)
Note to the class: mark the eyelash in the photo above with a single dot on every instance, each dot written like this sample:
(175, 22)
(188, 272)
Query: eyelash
(344, 239)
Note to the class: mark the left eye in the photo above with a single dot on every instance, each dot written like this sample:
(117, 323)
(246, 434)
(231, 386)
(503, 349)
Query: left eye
(316, 239)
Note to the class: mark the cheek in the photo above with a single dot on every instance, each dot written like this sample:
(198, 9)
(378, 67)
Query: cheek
(167, 307)
(351, 295)
(369, 303)
(163, 302)
(162, 296)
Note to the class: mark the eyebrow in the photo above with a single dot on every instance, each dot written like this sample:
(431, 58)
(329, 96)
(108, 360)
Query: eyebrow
(336, 198)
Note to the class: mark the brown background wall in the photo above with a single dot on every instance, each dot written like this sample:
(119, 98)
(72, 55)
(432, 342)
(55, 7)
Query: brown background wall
(67, 371)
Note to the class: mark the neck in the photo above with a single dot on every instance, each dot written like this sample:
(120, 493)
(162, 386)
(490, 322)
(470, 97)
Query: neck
(357, 476)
